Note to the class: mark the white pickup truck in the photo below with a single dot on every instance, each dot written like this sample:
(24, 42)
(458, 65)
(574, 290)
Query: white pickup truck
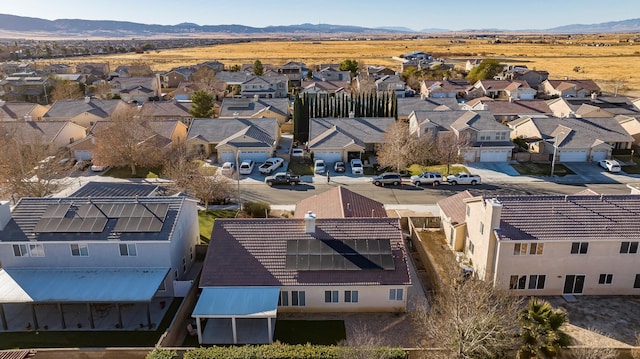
(270, 165)
(463, 178)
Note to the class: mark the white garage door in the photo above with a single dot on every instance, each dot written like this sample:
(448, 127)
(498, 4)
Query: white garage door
(227, 156)
(572, 156)
(328, 156)
(256, 156)
(494, 156)
(599, 156)
(82, 155)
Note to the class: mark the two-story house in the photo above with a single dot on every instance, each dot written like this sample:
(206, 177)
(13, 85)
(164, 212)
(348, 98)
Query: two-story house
(391, 83)
(444, 88)
(84, 112)
(256, 108)
(274, 86)
(505, 89)
(569, 88)
(136, 89)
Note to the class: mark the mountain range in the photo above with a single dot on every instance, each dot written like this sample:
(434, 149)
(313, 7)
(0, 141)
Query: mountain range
(28, 26)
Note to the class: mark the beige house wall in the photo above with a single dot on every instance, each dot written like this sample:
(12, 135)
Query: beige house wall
(374, 298)
(86, 119)
(68, 132)
(270, 114)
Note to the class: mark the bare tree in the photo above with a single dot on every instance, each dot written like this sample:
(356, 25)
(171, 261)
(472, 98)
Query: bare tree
(205, 79)
(362, 344)
(127, 140)
(448, 148)
(101, 91)
(401, 148)
(216, 188)
(467, 317)
(66, 90)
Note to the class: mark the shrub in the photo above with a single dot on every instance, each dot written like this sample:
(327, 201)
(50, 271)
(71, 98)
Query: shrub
(257, 209)
(285, 351)
(159, 353)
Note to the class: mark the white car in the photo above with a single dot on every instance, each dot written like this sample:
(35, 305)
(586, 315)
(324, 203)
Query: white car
(319, 166)
(98, 168)
(297, 152)
(227, 168)
(610, 165)
(246, 167)
(270, 165)
(356, 166)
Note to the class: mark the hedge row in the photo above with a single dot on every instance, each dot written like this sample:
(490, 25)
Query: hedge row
(284, 351)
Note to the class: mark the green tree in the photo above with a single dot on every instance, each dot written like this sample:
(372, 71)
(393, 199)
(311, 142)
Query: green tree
(541, 330)
(349, 65)
(202, 105)
(258, 70)
(486, 70)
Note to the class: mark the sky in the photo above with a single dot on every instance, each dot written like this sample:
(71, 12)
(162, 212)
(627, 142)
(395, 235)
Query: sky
(416, 15)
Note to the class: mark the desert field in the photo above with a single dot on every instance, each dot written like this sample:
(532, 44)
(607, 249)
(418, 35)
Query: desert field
(615, 62)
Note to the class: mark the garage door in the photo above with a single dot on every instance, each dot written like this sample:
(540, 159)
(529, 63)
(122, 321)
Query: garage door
(82, 155)
(494, 156)
(572, 156)
(256, 156)
(329, 156)
(227, 156)
(599, 156)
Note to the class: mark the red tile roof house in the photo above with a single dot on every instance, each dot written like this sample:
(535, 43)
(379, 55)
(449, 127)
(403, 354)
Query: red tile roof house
(257, 267)
(340, 202)
(585, 243)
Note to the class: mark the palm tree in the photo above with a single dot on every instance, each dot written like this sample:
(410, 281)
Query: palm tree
(540, 330)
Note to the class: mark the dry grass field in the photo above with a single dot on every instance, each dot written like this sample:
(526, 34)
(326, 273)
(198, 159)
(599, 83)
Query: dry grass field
(617, 62)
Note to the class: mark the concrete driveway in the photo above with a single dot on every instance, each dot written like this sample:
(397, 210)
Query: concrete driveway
(592, 173)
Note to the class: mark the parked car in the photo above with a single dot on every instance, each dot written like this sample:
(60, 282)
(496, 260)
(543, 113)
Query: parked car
(98, 168)
(319, 167)
(387, 178)
(610, 165)
(339, 167)
(228, 168)
(246, 167)
(297, 152)
(270, 165)
(356, 166)
(82, 165)
(430, 178)
(282, 178)
(463, 178)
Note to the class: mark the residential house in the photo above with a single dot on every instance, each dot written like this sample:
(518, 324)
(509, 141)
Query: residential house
(483, 139)
(571, 139)
(77, 78)
(569, 88)
(57, 134)
(340, 202)
(331, 73)
(391, 83)
(167, 110)
(294, 71)
(636, 103)
(256, 108)
(26, 87)
(136, 89)
(409, 104)
(21, 111)
(256, 268)
(79, 254)
(631, 124)
(214, 65)
(379, 71)
(97, 70)
(265, 86)
(533, 77)
(324, 87)
(116, 189)
(445, 88)
(58, 69)
(173, 77)
(341, 139)
(228, 139)
(184, 91)
(593, 106)
(141, 70)
(505, 89)
(549, 244)
(471, 63)
(84, 112)
(505, 111)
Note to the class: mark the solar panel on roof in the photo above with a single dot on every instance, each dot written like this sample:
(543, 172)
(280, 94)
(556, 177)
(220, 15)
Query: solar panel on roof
(339, 255)
(56, 210)
(315, 262)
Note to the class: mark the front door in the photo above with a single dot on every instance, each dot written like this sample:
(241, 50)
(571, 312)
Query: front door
(573, 284)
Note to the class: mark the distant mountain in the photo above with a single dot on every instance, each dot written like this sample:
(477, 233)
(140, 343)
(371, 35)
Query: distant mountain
(395, 28)
(631, 25)
(434, 29)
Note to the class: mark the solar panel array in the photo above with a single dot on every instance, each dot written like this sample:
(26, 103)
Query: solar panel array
(349, 254)
(92, 218)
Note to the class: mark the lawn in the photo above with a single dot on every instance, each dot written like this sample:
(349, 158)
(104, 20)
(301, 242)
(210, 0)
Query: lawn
(301, 168)
(206, 219)
(125, 172)
(319, 332)
(87, 338)
(541, 169)
(453, 169)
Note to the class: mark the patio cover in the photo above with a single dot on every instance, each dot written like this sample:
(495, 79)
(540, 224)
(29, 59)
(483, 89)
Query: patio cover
(237, 302)
(79, 285)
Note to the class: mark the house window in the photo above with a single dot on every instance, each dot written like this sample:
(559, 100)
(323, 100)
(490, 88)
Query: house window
(331, 296)
(629, 247)
(519, 249)
(636, 283)
(351, 296)
(485, 137)
(579, 247)
(20, 250)
(481, 228)
(297, 298)
(79, 250)
(36, 250)
(184, 265)
(518, 282)
(283, 299)
(536, 249)
(605, 279)
(128, 250)
(536, 281)
(395, 294)
(471, 247)
(501, 136)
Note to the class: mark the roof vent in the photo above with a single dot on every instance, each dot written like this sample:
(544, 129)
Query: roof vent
(310, 222)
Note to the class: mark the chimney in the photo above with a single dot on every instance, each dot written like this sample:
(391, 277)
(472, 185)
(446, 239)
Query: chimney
(352, 114)
(256, 97)
(5, 214)
(594, 95)
(87, 99)
(496, 212)
(310, 222)
(2, 102)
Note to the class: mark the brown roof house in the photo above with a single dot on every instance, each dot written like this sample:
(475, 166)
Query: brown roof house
(84, 112)
(548, 244)
(18, 111)
(569, 88)
(54, 133)
(255, 268)
(340, 202)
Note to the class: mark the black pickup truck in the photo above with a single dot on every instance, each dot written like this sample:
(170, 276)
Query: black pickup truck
(282, 178)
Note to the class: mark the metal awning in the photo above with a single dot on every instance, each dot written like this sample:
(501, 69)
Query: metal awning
(238, 302)
(79, 285)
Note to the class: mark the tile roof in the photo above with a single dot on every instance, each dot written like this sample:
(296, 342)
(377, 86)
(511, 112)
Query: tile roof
(522, 107)
(114, 189)
(580, 84)
(459, 120)
(220, 129)
(340, 202)
(72, 108)
(571, 217)
(166, 109)
(247, 107)
(332, 132)
(252, 252)
(454, 207)
(406, 105)
(15, 110)
(28, 131)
